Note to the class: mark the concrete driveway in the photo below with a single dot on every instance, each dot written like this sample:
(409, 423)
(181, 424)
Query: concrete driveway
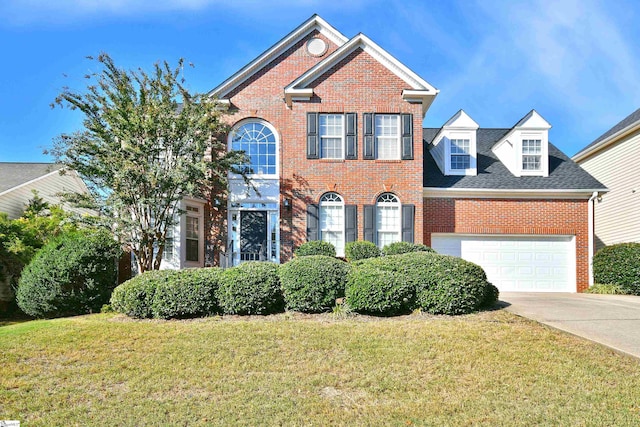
(612, 320)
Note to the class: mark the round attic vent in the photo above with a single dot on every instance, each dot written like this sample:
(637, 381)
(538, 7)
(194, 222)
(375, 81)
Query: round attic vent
(316, 47)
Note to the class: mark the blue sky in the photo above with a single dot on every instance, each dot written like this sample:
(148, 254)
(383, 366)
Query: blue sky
(576, 62)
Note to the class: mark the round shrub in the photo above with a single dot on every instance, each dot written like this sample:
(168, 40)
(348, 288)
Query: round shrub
(355, 251)
(491, 295)
(189, 293)
(619, 264)
(316, 247)
(71, 275)
(135, 296)
(250, 288)
(377, 291)
(398, 248)
(311, 284)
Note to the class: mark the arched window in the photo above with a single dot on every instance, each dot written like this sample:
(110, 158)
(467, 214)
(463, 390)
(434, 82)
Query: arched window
(257, 139)
(332, 221)
(388, 221)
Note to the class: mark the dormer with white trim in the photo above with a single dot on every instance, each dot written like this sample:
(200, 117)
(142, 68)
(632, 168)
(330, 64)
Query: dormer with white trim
(454, 147)
(524, 150)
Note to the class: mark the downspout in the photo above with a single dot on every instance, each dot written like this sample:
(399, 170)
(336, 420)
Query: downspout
(593, 197)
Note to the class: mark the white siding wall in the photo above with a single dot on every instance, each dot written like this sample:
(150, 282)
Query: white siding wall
(617, 215)
(14, 202)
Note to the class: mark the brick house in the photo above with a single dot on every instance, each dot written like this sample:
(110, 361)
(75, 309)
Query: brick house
(333, 128)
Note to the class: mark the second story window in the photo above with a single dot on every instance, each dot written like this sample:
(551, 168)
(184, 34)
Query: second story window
(460, 154)
(531, 154)
(387, 136)
(258, 142)
(331, 136)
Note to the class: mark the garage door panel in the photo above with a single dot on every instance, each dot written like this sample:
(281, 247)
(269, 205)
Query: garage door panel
(517, 263)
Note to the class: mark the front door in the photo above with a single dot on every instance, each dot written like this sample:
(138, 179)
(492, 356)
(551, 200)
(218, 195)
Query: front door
(253, 236)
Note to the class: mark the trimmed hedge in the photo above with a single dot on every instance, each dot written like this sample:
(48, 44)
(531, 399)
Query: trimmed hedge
(378, 291)
(168, 294)
(312, 284)
(250, 288)
(355, 251)
(619, 264)
(398, 248)
(73, 274)
(316, 247)
(441, 284)
(191, 293)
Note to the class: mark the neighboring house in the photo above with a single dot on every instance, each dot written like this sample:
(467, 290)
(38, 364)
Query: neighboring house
(613, 159)
(19, 180)
(333, 130)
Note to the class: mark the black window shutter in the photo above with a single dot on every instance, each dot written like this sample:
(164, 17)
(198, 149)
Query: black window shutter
(369, 147)
(370, 223)
(352, 136)
(313, 230)
(407, 137)
(350, 223)
(408, 216)
(313, 141)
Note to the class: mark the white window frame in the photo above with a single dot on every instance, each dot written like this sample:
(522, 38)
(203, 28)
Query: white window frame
(267, 125)
(397, 136)
(533, 155)
(388, 201)
(192, 209)
(543, 153)
(340, 135)
(447, 141)
(465, 152)
(332, 200)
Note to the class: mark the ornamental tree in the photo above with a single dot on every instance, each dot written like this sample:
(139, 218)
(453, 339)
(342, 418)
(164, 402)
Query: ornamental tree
(146, 143)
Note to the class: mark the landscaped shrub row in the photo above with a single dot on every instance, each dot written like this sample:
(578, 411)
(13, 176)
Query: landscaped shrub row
(619, 265)
(434, 283)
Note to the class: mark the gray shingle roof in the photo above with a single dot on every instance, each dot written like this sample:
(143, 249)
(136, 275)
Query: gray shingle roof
(14, 174)
(564, 173)
(627, 121)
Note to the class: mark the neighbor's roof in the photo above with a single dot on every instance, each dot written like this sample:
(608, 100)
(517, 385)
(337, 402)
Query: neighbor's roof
(564, 173)
(15, 174)
(629, 121)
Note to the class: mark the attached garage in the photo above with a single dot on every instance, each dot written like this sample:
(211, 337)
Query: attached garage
(516, 263)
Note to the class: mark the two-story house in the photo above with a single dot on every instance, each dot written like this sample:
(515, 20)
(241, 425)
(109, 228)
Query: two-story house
(333, 130)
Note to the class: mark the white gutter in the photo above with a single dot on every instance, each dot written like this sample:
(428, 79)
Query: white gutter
(591, 245)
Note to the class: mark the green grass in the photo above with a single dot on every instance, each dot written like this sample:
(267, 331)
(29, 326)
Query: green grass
(484, 369)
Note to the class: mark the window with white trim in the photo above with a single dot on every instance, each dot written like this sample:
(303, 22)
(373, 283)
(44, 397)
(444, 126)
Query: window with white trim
(168, 245)
(332, 221)
(258, 142)
(192, 234)
(460, 154)
(531, 154)
(387, 136)
(388, 219)
(331, 136)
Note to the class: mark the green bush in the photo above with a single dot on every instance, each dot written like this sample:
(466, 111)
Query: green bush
(355, 251)
(311, 284)
(190, 293)
(491, 296)
(250, 288)
(71, 275)
(619, 264)
(377, 291)
(607, 289)
(135, 296)
(316, 247)
(398, 248)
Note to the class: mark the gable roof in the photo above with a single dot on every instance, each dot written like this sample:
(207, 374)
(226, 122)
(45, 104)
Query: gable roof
(312, 24)
(419, 89)
(16, 174)
(627, 124)
(564, 173)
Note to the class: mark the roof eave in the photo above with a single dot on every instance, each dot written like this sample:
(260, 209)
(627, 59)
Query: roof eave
(490, 193)
(610, 140)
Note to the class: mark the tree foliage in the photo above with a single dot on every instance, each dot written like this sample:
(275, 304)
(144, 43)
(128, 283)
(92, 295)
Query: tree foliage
(146, 143)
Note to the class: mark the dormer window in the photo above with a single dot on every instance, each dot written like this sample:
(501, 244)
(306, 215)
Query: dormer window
(460, 154)
(531, 154)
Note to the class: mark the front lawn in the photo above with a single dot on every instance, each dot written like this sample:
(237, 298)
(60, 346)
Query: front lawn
(488, 368)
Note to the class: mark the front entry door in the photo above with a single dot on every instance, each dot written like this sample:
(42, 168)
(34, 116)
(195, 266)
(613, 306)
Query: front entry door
(253, 236)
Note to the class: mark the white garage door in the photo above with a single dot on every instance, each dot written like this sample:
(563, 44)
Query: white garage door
(517, 263)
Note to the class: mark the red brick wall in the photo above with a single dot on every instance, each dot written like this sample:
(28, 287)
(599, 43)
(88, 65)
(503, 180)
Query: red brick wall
(513, 216)
(357, 84)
